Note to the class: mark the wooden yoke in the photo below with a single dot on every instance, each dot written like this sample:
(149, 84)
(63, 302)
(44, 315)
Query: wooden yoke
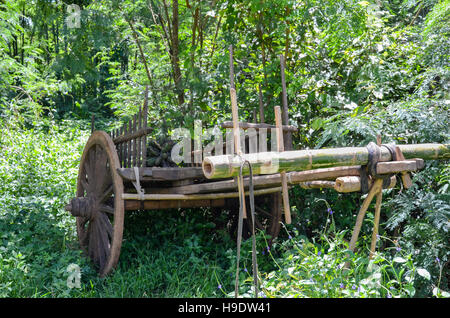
(398, 164)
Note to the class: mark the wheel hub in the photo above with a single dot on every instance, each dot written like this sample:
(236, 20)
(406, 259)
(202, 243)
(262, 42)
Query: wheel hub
(83, 207)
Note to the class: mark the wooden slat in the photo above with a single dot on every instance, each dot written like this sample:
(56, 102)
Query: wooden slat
(263, 181)
(203, 196)
(139, 140)
(144, 126)
(161, 205)
(165, 174)
(125, 147)
(399, 166)
(122, 148)
(135, 141)
(130, 130)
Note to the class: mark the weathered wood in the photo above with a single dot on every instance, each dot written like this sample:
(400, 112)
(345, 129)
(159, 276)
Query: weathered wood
(399, 166)
(261, 105)
(92, 123)
(353, 184)
(122, 148)
(144, 126)
(287, 134)
(135, 141)
(130, 130)
(406, 179)
(139, 140)
(263, 181)
(280, 146)
(236, 134)
(376, 223)
(204, 196)
(165, 174)
(244, 125)
(376, 187)
(171, 204)
(317, 184)
(227, 166)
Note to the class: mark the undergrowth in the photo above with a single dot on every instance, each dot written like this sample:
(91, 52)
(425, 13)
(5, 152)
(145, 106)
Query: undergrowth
(186, 253)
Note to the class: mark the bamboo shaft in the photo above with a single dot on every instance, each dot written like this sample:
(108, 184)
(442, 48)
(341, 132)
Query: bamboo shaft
(227, 166)
(204, 196)
(280, 145)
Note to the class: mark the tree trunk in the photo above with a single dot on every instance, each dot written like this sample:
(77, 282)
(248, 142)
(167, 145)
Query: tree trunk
(175, 54)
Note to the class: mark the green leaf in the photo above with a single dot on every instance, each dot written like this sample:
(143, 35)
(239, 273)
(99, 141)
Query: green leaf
(424, 273)
(399, 260)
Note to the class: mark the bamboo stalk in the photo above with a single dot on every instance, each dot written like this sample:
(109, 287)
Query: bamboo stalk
(280, 145)
(353, 184)
(227, 166)
(319, 184)
(204, 196)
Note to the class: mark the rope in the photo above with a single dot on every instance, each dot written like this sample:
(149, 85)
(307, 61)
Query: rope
(240, 225)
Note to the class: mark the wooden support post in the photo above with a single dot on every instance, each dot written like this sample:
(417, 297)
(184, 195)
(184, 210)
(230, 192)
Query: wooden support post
(236, 132)
(130, 130)
(92, 123)
(144, 125)
(261, 105)
(406, 179)
(376, 187)
(139, 140)
(135, 153)
(287, 135)
(376, 220)
(280, 144)
(376, 223)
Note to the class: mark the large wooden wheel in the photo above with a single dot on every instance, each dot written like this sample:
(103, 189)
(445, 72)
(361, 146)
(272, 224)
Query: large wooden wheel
(99, 207)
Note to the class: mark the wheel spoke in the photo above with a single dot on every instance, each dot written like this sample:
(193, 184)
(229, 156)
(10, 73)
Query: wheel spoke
(106, 194)
(103, 245)
(92, 251)
(107, 226)
(106, 209)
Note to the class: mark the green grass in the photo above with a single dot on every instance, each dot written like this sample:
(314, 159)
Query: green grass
(165, 253)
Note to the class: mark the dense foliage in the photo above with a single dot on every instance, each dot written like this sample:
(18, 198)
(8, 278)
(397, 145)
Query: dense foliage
(354, 69)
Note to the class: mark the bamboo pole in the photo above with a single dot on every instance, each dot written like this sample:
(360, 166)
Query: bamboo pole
(236, 133)
(280, 146)
(227, 166)
(203, 196)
